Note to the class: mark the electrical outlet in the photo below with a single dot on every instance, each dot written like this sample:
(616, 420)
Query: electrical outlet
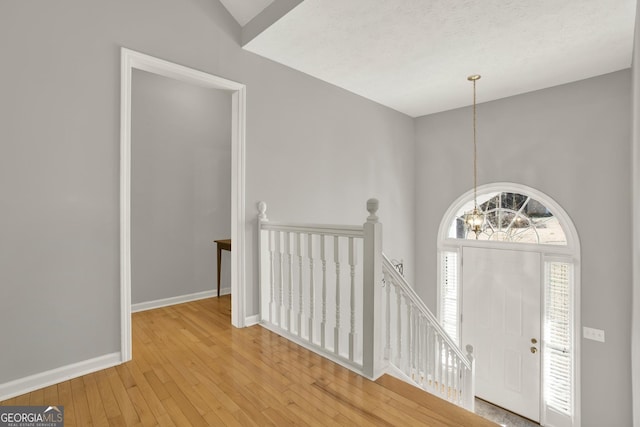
(593, 334)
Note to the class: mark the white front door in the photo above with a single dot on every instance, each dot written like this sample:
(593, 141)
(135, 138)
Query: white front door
(501, 320)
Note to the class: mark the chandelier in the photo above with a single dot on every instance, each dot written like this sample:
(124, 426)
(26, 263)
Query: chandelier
(474, 219)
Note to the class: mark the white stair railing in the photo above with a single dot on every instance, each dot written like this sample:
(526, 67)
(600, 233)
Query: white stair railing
(316, 292)
(311, 284)
(418, 347)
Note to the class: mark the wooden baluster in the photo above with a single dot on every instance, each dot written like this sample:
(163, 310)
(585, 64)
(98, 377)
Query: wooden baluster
(443, 362)
(460, 381)
(336, 330)
(456, 379)
(409, 312)
(282, 311)
(415, 347)
(452, 383)
(420, 346)
(437, 362)
(427, 355)
(463, 380)
(312, 285)
(416, 343)
(264, 273)
(449, 373)
(410, 347)
(300, 251)
(323, 323)
(454, 371)
(444, 365)
(352, 297)
(387, 348)
(290, 249)
(448, 378)
(399, 326)
(272, 277)
(461, 369)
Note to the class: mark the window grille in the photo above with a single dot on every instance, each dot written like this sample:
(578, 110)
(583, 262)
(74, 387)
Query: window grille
(511, 217)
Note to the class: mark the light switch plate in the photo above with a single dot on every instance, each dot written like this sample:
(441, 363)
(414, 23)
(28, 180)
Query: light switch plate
(593, 334)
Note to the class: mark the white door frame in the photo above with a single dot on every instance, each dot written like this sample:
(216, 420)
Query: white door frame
(134, 60)
(570, 253)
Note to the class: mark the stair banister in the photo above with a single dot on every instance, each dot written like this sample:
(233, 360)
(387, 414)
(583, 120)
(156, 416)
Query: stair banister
(417, 301)
(452, 376)
(312, 284)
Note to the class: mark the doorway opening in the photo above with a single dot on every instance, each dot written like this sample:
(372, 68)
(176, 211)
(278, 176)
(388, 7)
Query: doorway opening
(513, 293)
(131, 60)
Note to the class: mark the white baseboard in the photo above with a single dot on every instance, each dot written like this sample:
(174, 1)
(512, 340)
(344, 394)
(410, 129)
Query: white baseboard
(44, 379)
(251, 320)
(150, 305)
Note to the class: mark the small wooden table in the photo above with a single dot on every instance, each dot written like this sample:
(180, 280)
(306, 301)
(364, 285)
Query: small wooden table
(222, 245)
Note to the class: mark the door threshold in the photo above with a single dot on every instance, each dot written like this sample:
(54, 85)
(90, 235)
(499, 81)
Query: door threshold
(501, 416)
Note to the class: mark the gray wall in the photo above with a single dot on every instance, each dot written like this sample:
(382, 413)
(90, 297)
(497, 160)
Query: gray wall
(180, 186)
(572, 143)
(315, 153)
(636, 230)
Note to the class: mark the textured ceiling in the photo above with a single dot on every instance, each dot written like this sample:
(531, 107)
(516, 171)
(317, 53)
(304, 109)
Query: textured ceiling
(244, 11)
(414, 55)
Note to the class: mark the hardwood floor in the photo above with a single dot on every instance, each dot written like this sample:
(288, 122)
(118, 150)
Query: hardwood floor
(190, 367)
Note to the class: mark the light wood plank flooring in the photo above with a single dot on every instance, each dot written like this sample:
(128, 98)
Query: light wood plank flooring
(191, 368)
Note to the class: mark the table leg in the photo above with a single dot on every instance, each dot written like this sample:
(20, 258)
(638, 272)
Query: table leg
(219, 261)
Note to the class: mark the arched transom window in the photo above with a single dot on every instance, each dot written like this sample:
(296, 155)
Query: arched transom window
(511, 217)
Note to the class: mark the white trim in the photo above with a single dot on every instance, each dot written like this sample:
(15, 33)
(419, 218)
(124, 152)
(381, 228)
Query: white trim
(180, 299)
(252, 320)
(130, 60)
(635, 236)
(396, 372)
(238, 165)
(568, 253)
(54, 376)
(528, 247)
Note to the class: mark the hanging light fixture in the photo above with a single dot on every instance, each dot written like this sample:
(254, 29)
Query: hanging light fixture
(474, 219)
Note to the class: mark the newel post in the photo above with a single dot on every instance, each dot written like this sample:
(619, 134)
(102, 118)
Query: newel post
(372, 298)
(470, 383)
(264, 267)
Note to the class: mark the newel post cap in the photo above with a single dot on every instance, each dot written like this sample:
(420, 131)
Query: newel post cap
(469, 349)
(262, 211)
(372, 208)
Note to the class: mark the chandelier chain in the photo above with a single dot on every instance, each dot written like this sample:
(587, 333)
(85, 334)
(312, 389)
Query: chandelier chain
(474, 220)
(475, 150)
